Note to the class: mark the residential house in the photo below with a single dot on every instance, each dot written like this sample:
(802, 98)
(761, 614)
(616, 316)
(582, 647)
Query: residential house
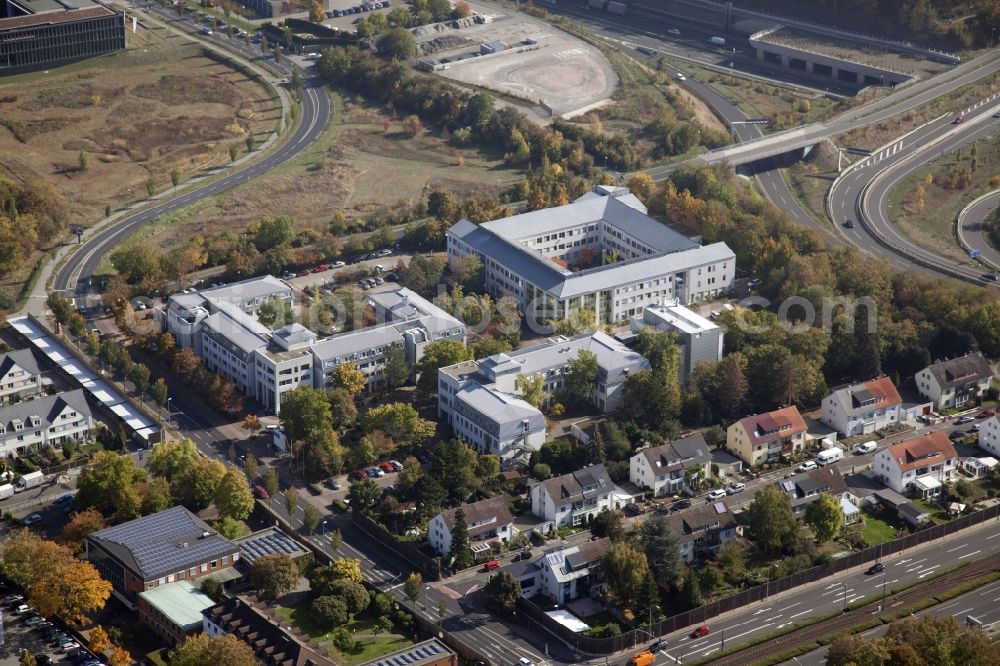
(921, 465)
(272, 644)
(806, 487)
(481, 399)
(767, 438)
(699, 339)
(864, 408)
(955, 382)
(570, 499)
(979, 468)
(20, 376)
(666, 469)
(572, 573)
(157, 550)
(989, 435)
(49, 420)
(487, 520)
(174, 611)
(601, 252)
(703, 529)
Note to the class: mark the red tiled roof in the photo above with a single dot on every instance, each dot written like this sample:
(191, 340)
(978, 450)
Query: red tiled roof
(778, 424)
(929, 449)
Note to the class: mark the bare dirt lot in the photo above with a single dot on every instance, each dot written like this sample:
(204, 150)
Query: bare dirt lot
(564, 73)
(356, 167)
(135, 116)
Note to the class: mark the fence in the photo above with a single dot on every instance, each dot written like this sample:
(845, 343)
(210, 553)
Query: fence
(429, 567)
(604, 646)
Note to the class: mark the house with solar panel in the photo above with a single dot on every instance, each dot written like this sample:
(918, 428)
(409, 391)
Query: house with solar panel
(567, 574)
(268, 541)
(160, 549)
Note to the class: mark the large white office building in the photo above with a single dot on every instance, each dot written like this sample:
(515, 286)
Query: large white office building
(480, 399)
(265, 364)
(601, 252)
(700, 340)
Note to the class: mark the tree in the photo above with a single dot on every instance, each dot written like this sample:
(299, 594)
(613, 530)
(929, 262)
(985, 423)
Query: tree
(541, 471)
(691, 594)
(291, 501)
(596, 451)
(170, 458)
(732, 384)
(438, 354)
(316, 12)
(532, 389)
(454, 466)
(346, 568)
(412, 585)
(771, 518)
(272, 232)
(136, 263)
(732, 559)
(397, 44)
(71, 590)
(332, 610)
(502, 592)
(229, 528)
(99, 641)
(310, 517)
(139, 376)
(575, 323)
(175, 177)
(460, 552)
(160, 392)
(400, 421)
(271, 483)
(609, 524)
(825, 517)
(185, 364)
(196, 485)
(200, 649)
(120, 657)
(348, 377)
(233, 497)
(273, 575)
(107, 485)
(396, 371)
(343, 408)
(364, 494)
(626, 569)
(84, 160)
(251, 424)
(82, 524)
(354, 595)
(275, 312)
(580, 377)
(304, 409)
(26, 658)
(662, 549)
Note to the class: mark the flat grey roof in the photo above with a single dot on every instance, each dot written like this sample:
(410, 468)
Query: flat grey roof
(235, 292)
(496, 406)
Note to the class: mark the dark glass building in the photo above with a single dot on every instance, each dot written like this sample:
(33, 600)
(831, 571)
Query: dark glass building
(35, 34)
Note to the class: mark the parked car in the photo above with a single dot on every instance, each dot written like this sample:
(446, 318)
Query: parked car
(633, 510)
(387, 467)
(876, 568)
(806, 466)
(66, 647)
(956, 435)
(680, 505)
(34, 620)
(493, 565)
(359, 474)
(66, 499)
(303, 273)
(735, 487)
(700, 632)
(32, 519)
(986, 413)
(13, 599)
(962, 420)
(715, 495)
(338, 264)
(320, 268)
(422, 458)
(866, 447)
(260, 492)
(375, 472)
(333, 484)
(396, 465)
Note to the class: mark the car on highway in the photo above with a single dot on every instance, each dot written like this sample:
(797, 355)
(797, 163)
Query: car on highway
(959, 119)
(260, 492)
(700, 632)
(715, 495)
(997, 114)
(525, 662)
(680, 77)
(32, 519)
(806, 466)
(962, 420)
(989, 277)
(986, 413)
(735, 487)
(866, 447)
(876, 568)
(673, 31)
(848, 224)
(206, 31)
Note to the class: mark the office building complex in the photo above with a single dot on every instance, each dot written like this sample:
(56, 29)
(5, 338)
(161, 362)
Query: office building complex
(699, 339)
(601, 253)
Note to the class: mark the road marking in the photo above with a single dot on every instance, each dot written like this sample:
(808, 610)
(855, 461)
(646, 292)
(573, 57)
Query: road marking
(975, 552)
(928, 571)
(798, 614)
(774, 618)
(763, 610)
(994, 536)
(963, 612)
(951, 550)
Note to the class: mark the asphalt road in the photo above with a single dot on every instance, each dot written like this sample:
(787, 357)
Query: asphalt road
(982, 603)
(862, 196)
(971, 226)
(315, 109)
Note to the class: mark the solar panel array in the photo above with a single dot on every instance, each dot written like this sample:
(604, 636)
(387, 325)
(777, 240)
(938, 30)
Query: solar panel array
(273, 543)
(414, 656)
(167, 542)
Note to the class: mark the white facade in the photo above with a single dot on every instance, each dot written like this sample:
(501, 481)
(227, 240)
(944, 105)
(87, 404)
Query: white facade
(955, 382)
(487, 520)
(19, 376)
(664, 469)
(625, 259)
(46, 421)
(989, 436)
(862, 409)
(700, 340)
(575, 497)
(918, 466)
(571, 573)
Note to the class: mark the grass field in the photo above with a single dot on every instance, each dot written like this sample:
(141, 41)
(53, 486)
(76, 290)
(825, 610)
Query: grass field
(877, 530)
(932, 224)
(371, 646)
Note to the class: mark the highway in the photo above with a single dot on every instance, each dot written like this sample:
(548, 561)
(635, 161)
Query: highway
(971, 227)
(861, 195)
(315, 112)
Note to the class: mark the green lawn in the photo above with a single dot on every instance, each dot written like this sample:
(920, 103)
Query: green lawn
(877, 530)
(370, 648)
(938, 515)
(303, 619)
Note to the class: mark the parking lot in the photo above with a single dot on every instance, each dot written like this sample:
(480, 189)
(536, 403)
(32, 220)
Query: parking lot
(25, 630)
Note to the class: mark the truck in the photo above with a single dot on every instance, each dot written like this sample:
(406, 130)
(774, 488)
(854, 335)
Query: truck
(718, 41)
(6, 490)
(29, 480)
(830, 455)
(644, 658)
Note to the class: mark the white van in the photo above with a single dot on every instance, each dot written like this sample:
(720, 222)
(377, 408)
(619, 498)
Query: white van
(830, 456)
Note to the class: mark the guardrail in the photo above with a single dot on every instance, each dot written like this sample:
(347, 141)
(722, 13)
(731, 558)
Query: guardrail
(959, 223)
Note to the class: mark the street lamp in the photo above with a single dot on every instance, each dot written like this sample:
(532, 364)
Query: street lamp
(169, 400)
(426, 588)
(323, 533)
(845, 595)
